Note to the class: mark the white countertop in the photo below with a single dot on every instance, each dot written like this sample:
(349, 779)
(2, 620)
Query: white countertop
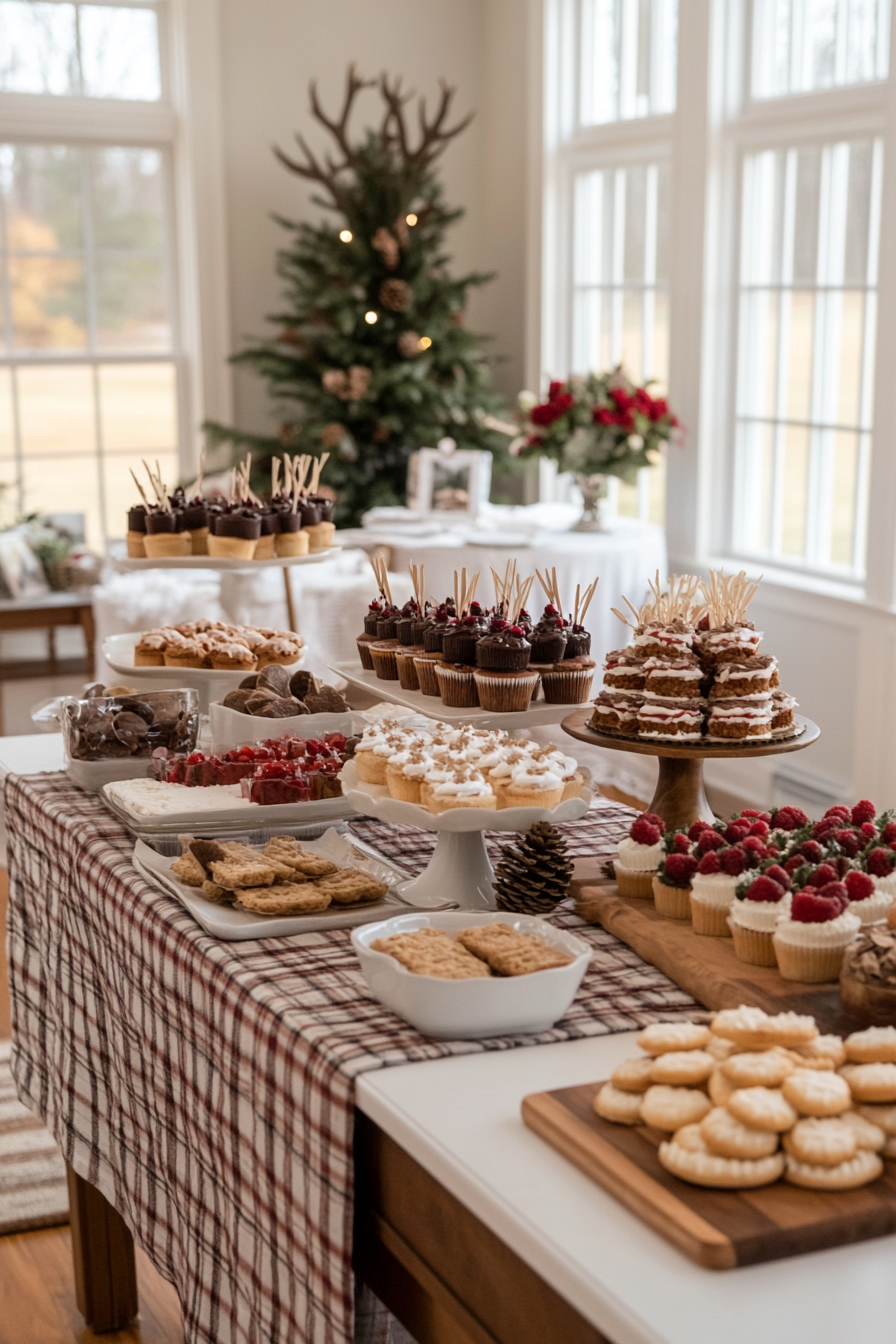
(31, 754)
(460, 1119)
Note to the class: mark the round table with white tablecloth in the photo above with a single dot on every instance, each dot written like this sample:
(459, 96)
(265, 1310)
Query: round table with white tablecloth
(625, 558)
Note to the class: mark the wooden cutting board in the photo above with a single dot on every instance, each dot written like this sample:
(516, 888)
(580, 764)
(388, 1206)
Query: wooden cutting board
(707, 967)
(719, 1229)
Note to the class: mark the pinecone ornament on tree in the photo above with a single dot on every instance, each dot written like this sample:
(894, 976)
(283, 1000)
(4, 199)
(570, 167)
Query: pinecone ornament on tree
(395, 295)
(533, 874)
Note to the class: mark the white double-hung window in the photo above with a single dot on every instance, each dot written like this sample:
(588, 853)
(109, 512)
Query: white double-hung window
(610, 96)
(98, 348)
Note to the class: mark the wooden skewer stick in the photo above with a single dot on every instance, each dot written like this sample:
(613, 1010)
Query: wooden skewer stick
(140, 488)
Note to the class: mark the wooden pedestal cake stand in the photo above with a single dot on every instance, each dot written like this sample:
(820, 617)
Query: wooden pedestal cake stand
(680, 797)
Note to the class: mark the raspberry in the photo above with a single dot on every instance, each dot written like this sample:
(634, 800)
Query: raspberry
(850, 842)
(759, 828)
(681, 844)
(812, 850)
(824, 829)
(709, 864)
(843, 866)
(788, 819)
(869, 830)
(772, 850)
(697, 829)
(750, 812)
(733, 861)
(863, 811)
(835, 891)
(736, 831)
(680, 868)
(859, 886)
(779, 875)
(764, 889)
(810, 907)
(888, 834)
(795, 862)
(837, 811)
(653, 819)
(755, 848)
(710, 840)
(880, 862)
(826, 872)
(643, 832)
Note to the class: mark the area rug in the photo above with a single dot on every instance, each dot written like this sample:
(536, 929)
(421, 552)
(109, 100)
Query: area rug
(32, 1173)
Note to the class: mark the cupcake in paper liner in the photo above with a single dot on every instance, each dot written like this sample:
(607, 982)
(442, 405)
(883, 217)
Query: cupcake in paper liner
(868, 900)
(754, 913)
(714, 885)
(811, 940)
(672, 886)
(638, 855)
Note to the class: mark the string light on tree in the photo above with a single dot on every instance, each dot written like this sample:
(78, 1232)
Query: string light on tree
(371, 317)
(410, 219)
(425, 342)
(345, 235)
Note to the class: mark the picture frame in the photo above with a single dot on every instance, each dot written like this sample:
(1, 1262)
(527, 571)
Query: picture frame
(454, 485)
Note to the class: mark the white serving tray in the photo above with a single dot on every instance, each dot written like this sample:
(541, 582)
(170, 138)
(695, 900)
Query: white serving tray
(118, 651)
(243, 814)
(230, 728)
(432, 706)
(124, 563)
(231, 923)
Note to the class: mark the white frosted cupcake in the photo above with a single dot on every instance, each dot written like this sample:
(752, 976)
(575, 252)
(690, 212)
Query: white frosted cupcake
(810, 941)
(405, 772)
(465, 788)
(638, 855)
(752, 919)
(537, 784)
(712, 895)
(867, 899)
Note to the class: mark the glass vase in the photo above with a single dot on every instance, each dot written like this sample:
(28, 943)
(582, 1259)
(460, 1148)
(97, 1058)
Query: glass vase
(594, 493)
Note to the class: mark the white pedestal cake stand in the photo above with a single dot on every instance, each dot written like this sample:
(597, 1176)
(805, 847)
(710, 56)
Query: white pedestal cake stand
(459, 870)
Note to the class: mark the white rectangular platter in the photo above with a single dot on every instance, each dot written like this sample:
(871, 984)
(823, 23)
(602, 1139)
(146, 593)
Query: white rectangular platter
(242, 815)
(232, 924)
(432, 707)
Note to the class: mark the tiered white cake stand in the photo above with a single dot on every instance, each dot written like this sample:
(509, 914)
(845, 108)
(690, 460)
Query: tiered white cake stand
(459, 871)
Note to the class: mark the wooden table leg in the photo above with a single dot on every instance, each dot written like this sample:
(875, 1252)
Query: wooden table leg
(103, 1254)
(88, 625)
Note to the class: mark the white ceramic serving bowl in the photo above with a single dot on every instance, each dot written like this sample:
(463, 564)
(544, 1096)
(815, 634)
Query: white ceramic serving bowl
(470, 1009)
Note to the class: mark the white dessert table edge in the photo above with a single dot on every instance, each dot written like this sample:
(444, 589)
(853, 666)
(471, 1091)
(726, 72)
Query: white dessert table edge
(124, 564)
(459, 1118)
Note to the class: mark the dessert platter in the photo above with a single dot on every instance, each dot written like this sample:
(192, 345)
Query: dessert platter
(294, 526)
(745, 1139)
(692, 685)
(460, 782)
(287, 887)
(493, 665)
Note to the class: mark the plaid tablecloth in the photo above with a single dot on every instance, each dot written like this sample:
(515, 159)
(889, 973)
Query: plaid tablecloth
(206, 1088)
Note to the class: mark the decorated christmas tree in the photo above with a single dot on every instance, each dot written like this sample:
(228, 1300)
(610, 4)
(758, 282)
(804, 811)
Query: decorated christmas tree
(371, 359)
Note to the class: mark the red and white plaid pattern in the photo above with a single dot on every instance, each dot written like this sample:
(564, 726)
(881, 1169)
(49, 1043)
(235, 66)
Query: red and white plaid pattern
(206, 1088)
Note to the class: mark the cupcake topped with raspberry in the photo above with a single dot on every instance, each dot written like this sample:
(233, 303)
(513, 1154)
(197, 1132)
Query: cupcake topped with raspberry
(758, 904)
(810, 941)
(723, 861)
(638, 854)
(878, 867)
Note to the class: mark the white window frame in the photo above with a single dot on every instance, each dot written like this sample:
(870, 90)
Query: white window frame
(715, 123)
(185, 125)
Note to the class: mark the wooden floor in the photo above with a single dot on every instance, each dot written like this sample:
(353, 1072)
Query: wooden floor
(37, 1292)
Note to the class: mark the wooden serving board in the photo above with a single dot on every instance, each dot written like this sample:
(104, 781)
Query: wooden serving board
(707, 967)
(719, 1229)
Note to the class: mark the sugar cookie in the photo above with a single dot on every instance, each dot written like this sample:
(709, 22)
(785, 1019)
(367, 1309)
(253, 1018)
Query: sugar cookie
(762, 1108)
(624, 1108)
(868, 1135)
(882, 1116)
(660, 1037)
(821, 1142)
(719, 1087)
(719, 1048)
(876, 1045)
(690, 1138)
(633, 1075)
(823, 1063)
(859, 1170)
(823, 1047)
(682, 1068)
(813, 1092)
(726, 1173)
(726, 1136)
(671, 1107)
(767, 1068)
(756, 1030)
(873, 1082)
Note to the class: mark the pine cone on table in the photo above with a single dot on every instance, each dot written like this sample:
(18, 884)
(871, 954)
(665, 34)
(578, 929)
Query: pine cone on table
(533, 874)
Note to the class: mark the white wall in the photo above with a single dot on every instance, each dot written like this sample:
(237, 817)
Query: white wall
(272, 49)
